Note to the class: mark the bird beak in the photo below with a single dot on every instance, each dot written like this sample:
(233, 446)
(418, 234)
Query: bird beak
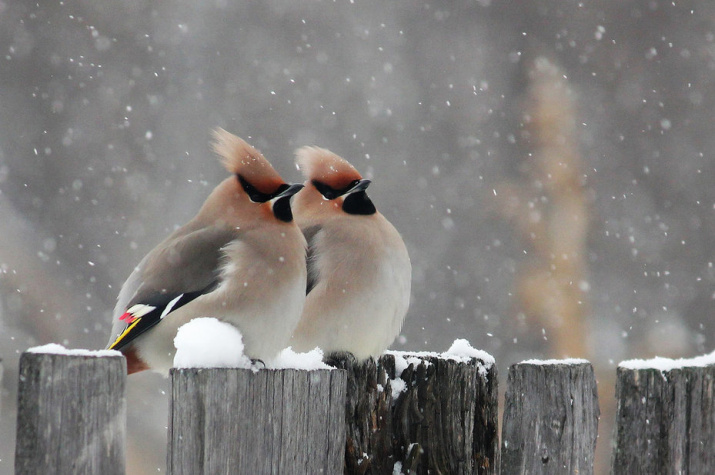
(290, 191)
(361, 186)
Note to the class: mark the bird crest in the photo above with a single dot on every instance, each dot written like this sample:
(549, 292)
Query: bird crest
(325, 166)
(241, 159)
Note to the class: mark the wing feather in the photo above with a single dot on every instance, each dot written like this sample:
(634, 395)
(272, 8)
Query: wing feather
(311, 234)
(184, 267)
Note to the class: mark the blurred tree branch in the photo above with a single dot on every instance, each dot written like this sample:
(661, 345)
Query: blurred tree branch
(548, 207)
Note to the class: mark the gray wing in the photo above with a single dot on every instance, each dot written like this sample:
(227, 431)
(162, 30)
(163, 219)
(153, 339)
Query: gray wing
(188, 261)
(310, 234)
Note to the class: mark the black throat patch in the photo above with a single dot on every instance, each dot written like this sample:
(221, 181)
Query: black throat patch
(281, 209)
(358, 203)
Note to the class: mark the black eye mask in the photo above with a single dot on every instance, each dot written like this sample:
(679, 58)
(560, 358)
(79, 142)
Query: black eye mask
(255, 195)
(330, 193)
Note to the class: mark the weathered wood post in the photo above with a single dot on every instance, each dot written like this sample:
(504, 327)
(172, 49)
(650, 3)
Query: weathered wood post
(665, 418)
(71, 412)
(550, 418)
(421, 413)
(236, 421)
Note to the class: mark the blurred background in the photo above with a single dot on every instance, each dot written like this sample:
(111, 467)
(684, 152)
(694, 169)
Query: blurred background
(549, 164)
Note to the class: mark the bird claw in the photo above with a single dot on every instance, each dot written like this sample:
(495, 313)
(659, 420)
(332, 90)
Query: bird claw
(340, 359)
(255, 362)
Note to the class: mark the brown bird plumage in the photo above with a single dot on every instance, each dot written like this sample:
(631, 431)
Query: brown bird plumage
(359, 272)
(241, 259)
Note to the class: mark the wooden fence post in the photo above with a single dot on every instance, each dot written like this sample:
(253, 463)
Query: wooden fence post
(419, 414)
(71, 414)
(550, 418)
(665, 420)
(236, 421)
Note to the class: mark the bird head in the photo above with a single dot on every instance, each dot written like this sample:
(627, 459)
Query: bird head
(255, 191)
(332, 185)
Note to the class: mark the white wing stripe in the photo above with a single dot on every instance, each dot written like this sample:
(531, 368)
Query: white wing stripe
(170, 306)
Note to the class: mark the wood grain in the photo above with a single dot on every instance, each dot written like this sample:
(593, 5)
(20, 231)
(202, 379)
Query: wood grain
(445, 420)
(71, 415)
(665, 421)
(550, 419)
(236, 421)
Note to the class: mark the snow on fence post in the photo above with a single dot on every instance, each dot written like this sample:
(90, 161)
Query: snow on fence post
(419, 413)
(237, 421)
(665, 418)
(71, 412)
(550, 418)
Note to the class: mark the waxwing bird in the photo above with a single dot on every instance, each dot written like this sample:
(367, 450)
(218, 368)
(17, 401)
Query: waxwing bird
(241, 259)
(359, 272)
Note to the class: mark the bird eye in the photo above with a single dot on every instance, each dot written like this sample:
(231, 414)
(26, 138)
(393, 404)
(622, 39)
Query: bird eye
(255, 195)
(328, 192)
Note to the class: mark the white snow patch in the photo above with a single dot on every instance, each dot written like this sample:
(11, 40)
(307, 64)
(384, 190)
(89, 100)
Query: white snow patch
(404, 359)
(57, 349)
(397, 468)
(461, 348)
(667, 364)
(564, 361)
(401, 363)
(416, 354)
(209, 343)
(398, 386)
(289, 359)
(460, 351)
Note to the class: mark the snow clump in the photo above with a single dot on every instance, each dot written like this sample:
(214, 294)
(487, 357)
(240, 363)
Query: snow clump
(667, 364)
(289, 359)
(57, 349)
(209, 343)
